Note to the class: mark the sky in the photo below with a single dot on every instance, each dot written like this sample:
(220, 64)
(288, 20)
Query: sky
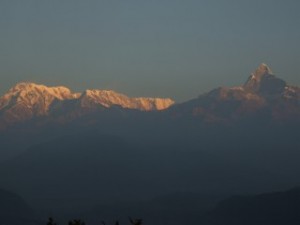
(157, 48)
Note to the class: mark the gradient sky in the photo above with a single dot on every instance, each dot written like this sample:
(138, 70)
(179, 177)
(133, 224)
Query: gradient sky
(166, 48)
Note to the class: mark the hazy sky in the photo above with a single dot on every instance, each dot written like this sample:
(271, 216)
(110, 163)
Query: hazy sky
(166, 48)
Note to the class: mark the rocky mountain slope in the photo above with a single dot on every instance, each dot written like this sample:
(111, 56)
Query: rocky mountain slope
(263, 96)
(29, 100)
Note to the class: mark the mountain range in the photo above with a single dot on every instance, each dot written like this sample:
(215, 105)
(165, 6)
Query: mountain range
(263, 95)
(26, 101)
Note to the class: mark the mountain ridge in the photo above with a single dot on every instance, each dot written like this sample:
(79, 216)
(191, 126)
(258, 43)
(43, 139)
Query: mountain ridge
(27, 100)
(263, 95)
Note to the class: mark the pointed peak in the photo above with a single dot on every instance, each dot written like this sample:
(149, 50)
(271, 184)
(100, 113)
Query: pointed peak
(255, 78)
(263, 69)
(263, 81)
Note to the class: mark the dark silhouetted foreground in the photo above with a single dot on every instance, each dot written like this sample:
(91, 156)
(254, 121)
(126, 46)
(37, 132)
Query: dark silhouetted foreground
(80, 222)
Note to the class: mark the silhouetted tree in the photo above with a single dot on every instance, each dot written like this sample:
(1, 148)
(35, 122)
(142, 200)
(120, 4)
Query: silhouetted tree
(132, 221)
(103, 223)
(79, 222)
(76, 222)
(51, 221)
(136, 221)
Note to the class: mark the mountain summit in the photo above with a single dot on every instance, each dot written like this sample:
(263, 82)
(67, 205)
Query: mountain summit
(262, 96)
(26, 100)
(262, 70)
(256, 77)
(264, 81)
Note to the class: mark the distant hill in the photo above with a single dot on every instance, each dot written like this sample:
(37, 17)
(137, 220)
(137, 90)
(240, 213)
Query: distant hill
(14, 210)
(278, 208)
(89, 168)
(172, 209)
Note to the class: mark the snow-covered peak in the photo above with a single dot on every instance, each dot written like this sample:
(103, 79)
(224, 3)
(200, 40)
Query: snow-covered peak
(108, 98)
(263, 69)
(261, 77)
(59, 92)
(97, 92)
(27, 99)
(148, 104)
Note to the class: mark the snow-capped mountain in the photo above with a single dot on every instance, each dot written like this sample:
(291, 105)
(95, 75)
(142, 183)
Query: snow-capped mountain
(263, 95)
(108, 98)
(264, 82)
(29, 100)
(26, 100)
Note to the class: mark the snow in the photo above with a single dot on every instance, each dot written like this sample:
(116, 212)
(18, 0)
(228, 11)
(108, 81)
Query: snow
(38, 98)
(109, 98)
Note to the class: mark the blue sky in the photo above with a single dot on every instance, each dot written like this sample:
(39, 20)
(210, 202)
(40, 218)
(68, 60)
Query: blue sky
(173, 48)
